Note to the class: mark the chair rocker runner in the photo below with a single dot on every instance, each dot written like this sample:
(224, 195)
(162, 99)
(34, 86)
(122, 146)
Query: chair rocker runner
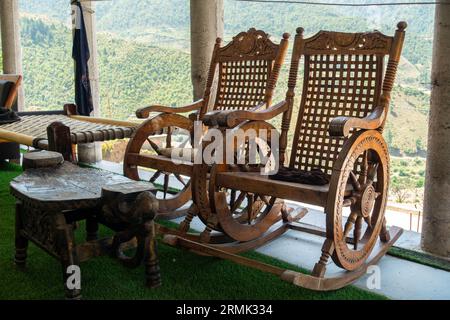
(343, 109)
(246, 70)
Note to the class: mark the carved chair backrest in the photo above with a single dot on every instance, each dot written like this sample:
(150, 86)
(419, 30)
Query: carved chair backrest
(247, 70)
(343, 76)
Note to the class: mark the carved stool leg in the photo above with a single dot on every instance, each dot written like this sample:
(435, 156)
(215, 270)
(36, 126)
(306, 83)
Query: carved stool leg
(91, 229)
(152, 271)
(65, 244)
(20, 241)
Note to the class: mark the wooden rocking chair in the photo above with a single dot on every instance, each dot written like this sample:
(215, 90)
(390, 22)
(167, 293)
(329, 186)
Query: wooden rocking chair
(16, 81)
(343, 109)
(9, 150)
(246, 69)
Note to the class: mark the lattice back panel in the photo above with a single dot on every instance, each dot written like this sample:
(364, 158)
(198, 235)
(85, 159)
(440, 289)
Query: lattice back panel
(242, 83)
(336, 85)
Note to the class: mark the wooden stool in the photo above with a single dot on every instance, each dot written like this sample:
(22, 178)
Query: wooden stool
(53, 195)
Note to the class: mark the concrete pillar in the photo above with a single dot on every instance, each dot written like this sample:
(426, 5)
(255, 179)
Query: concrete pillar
(436, 219)
(11, 49)
(91, 31)
(206, 26)
(90, 153)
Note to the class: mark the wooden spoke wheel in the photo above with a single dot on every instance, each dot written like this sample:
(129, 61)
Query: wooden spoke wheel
(365, 167)
(241, 215)
(144, 150)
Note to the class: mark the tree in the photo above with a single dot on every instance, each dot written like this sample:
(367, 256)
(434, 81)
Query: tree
(401, 188)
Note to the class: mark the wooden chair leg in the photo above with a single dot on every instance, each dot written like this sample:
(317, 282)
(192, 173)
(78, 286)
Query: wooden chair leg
(21, 242)
(151, 262)
(321, 266)
(384, 233)
(205, 236)
(185, 225)
(65, 244)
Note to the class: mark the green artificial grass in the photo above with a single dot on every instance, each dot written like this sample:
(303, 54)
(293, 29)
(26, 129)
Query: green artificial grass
(184, 274)
(419, 257)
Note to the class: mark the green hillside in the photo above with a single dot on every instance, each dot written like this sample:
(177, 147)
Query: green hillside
(144, 47)
(131, 74)
(166, 22)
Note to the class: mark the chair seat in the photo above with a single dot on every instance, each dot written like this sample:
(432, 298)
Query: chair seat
(256, 183)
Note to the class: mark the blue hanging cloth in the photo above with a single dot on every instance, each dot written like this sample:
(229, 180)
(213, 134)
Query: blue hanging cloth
(81, 55)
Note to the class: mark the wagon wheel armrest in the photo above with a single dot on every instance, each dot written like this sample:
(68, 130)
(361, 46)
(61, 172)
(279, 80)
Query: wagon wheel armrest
(341, 126)
(231, 118)
(144, 112)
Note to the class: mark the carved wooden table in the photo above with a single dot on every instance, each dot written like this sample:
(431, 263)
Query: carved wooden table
(51, 200)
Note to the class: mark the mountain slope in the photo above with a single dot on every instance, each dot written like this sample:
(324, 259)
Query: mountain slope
(167, 21)
(131, 74)
(134, 74)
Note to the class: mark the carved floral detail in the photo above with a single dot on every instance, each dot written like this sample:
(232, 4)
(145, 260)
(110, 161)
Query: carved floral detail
(348, 41)
(40, 225)
(251, 43)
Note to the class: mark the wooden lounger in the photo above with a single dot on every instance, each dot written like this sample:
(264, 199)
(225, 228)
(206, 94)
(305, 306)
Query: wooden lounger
(58, 130)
